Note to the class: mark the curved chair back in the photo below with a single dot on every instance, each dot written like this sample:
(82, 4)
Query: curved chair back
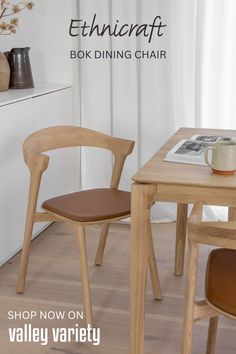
(71, 136)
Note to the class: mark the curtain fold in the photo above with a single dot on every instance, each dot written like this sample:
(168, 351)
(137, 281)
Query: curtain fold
(215, 75)
(215, 63)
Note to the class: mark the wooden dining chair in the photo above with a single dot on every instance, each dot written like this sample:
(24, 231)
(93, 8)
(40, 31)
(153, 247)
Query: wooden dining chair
(220, 277)
(94, 206)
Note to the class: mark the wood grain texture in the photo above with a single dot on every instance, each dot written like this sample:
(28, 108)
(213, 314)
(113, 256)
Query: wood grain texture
(81, 241)
(34, 149)
(221, 234)
(156, 286)
(212, 332)
(232, 214)
(35, 179)
(141, 203)
(158, 171)
(181, 224)
(54, 283)
(101, 245)
(183, 184)
(187, 334)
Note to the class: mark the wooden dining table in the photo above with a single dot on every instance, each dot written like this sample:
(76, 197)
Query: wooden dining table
(184, 184)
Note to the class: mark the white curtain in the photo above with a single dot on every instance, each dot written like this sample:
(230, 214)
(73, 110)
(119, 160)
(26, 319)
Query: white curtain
(148, 100)
(215, 76)
(215, 64)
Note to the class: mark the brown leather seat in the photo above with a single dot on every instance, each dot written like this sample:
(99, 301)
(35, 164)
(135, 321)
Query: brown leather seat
(220, 283)
(91, 205)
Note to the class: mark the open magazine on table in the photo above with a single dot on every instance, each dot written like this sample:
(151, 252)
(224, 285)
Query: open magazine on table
(191, 151)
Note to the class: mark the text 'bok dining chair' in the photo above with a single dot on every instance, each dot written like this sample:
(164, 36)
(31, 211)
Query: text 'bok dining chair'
(220, 277)
(94, 206)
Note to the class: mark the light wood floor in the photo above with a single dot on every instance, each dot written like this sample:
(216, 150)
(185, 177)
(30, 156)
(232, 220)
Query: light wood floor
(54, 284)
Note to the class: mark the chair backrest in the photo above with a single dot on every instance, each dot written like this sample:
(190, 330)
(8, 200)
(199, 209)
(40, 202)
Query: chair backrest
(71, 136)
(213, 233)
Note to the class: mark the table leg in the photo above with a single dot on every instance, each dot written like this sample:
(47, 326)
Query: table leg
(181, 223)
(156, 287)
(142, 198)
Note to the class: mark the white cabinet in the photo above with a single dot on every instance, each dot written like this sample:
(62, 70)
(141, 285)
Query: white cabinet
(20, 116)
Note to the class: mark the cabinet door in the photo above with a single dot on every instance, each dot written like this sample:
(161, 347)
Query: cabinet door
(60, 178)
(17, 123)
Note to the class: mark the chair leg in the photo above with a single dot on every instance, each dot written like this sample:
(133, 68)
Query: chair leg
(84, 274)
(187, 329)
(32, 201)
(182, 210)
(25, 254)
(231, 214)
(212, 332)
(101, 245)
(156, 287)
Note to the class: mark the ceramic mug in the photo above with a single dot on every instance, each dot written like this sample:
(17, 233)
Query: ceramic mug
(223, 157)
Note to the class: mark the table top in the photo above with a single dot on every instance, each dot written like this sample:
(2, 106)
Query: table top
(156, 170)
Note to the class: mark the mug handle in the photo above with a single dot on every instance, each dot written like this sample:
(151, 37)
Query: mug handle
(206, 155)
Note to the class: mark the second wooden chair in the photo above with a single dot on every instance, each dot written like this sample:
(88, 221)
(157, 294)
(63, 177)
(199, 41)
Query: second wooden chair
(220, 278)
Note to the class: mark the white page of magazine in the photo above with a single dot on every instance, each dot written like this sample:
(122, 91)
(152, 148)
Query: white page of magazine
(190, 157)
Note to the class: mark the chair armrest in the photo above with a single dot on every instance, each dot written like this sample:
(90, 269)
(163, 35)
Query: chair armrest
(221, 234)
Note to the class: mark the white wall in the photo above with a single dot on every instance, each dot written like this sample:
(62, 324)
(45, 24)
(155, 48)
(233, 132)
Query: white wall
(45, 30)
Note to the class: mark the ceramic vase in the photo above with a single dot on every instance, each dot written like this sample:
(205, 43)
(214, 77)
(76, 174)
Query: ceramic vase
(21, 75)
(4, 73)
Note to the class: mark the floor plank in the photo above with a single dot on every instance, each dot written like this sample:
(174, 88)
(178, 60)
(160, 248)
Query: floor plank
(53, 284)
